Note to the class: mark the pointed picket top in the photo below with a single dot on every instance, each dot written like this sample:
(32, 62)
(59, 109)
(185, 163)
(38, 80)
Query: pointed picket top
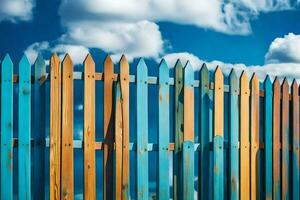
(39, 68)
(163, 72)
(268, 83)
(141, 65)
(188, 74)
(89, 63)
(244, 84)
(285, 85)
(24, 62)
(276, 84)
(54, 59)
(254, 83)
(24, 69)
(178, 65)
(123, 59)
(219, 78)
(233, 82)
(295, 86)
(67, 61)
(204, 69)
(7, 61)
(108, 63)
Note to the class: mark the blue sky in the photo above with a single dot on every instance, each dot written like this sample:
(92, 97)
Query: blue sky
(253, 35)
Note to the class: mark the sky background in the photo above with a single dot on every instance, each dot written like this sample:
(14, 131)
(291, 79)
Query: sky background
(253, 35)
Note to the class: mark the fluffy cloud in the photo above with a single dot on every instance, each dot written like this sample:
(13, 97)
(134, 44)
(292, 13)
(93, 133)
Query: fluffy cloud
(77, 52)
(14, 10)
(286, 49)
(281, 70)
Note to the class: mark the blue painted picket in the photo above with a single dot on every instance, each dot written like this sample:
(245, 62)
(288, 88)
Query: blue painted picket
(163, 132)
(268, 110)
(7, 129)
(204, 132)
(188, 170)
(24, 129)
(142, 131)
(234, 136)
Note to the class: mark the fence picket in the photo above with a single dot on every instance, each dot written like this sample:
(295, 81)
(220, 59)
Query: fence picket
(38, 124)
(163, 132)
(178, 130)
(218, 138)
(6, 128)
(118, 142)
(24, 129)
(204, 133)
(276, 140)
(268, 110)
(188, 133)
(124, 82)
(244, 137)
(234, 137)
(67, 165)
(89, 129)
(55, 126)
(295, 143)
(285, 135)
(108, 128)
(142, 131)
(254, 137)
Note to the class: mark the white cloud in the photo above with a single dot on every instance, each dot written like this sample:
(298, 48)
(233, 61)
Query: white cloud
(14, 10)
(289, 70)
(286, 49)
(77, 52)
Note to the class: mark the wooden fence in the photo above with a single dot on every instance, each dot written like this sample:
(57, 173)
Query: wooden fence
(217, 137)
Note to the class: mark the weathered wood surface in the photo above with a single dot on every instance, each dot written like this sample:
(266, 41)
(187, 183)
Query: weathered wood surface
(285, 140)
(276, 140)
(24, 129)
(244, 138)
(108, 128)
(218, 136)
(268, 130)
(67, 165)
(177, 177)
(124, 83)
(142, 131)
(234, 137)
(163, 132)
(89, 129)
(254, 168)
(55, 127)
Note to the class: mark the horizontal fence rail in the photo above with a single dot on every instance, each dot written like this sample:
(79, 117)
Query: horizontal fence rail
(197, 135)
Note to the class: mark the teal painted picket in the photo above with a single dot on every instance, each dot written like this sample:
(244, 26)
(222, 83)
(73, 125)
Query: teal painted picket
(178, 146)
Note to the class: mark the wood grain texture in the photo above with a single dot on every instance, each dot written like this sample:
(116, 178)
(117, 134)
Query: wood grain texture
(67, 165)
(203, 188)
(244, 138)
(234, 137)
(295, 143)
(285, 140)
(38, 128)
(142, 131)
(108, 128)
(163, 132)
(6, 128)
(89, 129)
(276, 140)
(118, 142)
(218, 159)
(177, 177)
(124, 82)
(188, 110)
(255, 188)
(268, 131)
(55, 127)
(24, 128)
(188, 170)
